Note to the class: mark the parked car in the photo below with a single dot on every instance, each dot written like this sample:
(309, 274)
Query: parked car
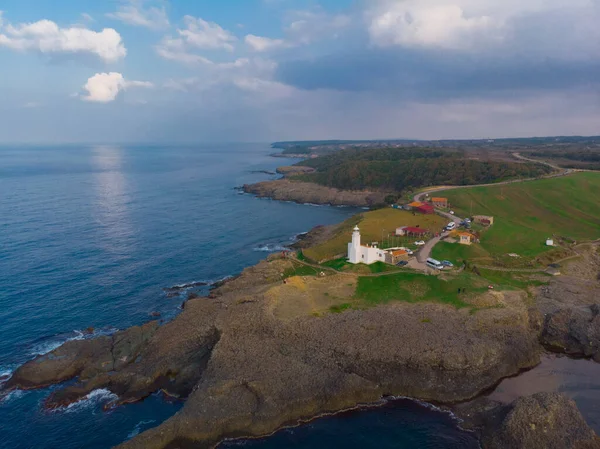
(451, 212)
(451, 226)
(468, 220)
(402, 263)
(420, 243)
(447, 263)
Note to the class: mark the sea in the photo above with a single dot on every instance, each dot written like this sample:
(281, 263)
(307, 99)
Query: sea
(90, 238)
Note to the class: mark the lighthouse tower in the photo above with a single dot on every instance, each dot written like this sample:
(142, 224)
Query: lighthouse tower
(354, 249)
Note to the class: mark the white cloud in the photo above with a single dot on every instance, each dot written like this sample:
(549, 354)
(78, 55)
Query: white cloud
(427, 23)
(261, 44)
(197, 34)
(513, 26)
(47, 37)
(174, 49)
(135, 13)
(105, 87)
(206, 35)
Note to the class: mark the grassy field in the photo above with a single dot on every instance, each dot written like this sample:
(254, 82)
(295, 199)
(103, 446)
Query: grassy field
(456, 253)
(415, 287)
(374, 226)
(525, 214)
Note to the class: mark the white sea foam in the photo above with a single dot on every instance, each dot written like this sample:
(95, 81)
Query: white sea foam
(138, 428)
(90, 400)
(50, 345)
(270, 248)
(11, 396)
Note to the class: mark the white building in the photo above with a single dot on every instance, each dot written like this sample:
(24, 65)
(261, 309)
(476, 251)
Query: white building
(358, 253)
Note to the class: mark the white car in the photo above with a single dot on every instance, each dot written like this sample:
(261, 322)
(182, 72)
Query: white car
(420, 243)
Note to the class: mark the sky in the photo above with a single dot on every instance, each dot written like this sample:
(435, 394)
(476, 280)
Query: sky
(187, 71)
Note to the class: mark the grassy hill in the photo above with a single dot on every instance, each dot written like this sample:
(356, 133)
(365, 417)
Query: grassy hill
(375, 226)
(528, 213)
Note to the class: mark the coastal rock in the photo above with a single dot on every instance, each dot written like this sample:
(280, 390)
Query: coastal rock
(306, 192)
(294, 170)
(575, 332)
(83, 358)
(256, 357)
(541, 421)
(571, 305)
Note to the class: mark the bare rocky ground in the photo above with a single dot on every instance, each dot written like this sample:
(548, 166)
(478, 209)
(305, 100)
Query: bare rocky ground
(306, 192)
(248, 366)
(540, 421)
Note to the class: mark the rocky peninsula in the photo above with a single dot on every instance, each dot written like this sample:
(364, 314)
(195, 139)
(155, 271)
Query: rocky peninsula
(311, 193)
(261, 353)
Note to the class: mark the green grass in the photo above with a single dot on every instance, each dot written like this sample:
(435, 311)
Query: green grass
(457, 253)
(414, 287)
(525, 214)
(380, 267)
(340, 308)
(337, 264)
(300, 270)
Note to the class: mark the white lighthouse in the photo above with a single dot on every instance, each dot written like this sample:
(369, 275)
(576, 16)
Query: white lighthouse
(358, 253)
(354, 249)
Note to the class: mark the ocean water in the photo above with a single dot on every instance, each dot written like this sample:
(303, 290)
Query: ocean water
(89, 238)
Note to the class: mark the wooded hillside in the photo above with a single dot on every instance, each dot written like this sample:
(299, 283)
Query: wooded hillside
(401, 168)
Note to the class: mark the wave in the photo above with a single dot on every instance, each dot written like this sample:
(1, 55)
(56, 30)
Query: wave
(138, 428)
(177, 289)
(12, 395)
(92, 399)
(5, 374)
(50, 344)
(271, 248)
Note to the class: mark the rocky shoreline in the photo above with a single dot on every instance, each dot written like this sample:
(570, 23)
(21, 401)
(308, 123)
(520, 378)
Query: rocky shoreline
(254, 357)
(310, 193)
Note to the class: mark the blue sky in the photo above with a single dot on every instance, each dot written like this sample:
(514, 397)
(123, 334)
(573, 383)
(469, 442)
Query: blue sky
(264, 70)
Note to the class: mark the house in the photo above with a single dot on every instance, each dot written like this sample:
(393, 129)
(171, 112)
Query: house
(415, 232)
(549, 242)
(414, 205)
(400, 232)
(367, 254)
(440, 203)
(425, 209)
(465, 238)
(484, 220)
(393, 257)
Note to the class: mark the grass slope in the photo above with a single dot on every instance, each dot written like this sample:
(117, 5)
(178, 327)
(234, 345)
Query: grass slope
(416, 287)
(527, 213)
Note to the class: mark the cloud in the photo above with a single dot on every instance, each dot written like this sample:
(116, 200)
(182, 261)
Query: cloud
(134, 12)
(105, 87)
(510, 27)
(427, 23)
(197, 34)
(206, 35)
(261, 44)
(47, 37)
